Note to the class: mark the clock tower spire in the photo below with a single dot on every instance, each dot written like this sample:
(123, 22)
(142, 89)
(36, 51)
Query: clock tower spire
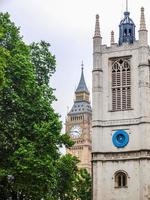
(78, 124)
(82, 92)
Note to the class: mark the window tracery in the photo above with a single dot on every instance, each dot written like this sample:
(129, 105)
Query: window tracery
(121, 85)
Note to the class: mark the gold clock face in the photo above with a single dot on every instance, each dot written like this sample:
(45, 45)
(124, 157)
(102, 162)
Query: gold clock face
(75, 131)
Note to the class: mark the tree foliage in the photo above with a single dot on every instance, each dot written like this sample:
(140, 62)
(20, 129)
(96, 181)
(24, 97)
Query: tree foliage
(73, 183)
(67, 171)
(83, 185)
(43, 61)
(4, 55)
(31, 166)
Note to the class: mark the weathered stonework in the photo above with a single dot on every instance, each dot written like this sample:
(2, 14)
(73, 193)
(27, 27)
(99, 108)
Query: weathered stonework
(134, 158)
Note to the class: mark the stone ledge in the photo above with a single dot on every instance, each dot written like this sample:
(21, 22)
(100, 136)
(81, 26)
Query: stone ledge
(121, 156)
(135, 121)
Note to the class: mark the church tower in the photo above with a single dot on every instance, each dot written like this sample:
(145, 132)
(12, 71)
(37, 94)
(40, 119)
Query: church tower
(78, 125)
(121, 114)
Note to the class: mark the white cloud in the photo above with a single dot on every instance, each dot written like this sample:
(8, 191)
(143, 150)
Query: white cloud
(69, 26)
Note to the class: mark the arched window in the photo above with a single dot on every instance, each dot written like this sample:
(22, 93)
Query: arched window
(120, 179)
(125, 32)
(121, 85)
(130, 32)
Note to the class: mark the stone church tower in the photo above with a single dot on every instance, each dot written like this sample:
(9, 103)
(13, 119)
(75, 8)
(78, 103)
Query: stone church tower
(121, 114)
(78, 125)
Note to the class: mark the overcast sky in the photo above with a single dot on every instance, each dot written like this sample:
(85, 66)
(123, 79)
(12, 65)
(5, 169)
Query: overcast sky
(68, 25)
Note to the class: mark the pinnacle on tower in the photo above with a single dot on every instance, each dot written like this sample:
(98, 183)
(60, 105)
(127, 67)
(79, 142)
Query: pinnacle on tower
(97, 27)
(142, 20)
(112, 41)
(143, 36)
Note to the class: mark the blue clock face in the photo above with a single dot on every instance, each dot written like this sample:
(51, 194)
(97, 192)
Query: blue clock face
(120, 138)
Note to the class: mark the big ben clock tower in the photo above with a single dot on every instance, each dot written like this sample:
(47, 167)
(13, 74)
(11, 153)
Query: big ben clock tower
(78, 125)
(121, 113)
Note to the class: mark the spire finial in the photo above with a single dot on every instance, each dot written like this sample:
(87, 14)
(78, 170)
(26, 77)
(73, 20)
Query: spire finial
(82, 85)
(82, 65)
(142, 20)
(97, 27)
(112, 41)
(126, 5)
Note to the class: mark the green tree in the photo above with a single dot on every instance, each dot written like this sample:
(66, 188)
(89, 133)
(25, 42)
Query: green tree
(72, 183)
(66, 174)
(43, 61)
(83, 185)
(30, 130)
(4, 55)
(31, 166)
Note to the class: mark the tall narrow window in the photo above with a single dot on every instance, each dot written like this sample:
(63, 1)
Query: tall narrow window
(121, 85)
(120, 179)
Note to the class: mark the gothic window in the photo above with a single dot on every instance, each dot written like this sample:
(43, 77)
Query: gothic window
(120, 179)
(121, 85)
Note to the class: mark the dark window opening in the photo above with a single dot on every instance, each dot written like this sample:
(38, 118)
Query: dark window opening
(125, 32)
(130, 32)
(120, 180)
